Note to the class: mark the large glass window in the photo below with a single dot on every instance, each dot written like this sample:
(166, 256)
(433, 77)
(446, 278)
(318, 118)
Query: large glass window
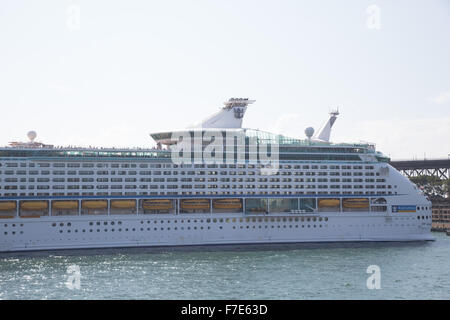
(308, 204)
(283, 205)
(256, 205)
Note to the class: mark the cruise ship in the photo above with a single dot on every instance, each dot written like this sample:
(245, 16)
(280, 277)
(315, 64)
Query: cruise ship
(213, 183)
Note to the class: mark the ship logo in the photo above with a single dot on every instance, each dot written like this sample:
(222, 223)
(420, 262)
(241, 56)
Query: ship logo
(238, 112)
(397, 209)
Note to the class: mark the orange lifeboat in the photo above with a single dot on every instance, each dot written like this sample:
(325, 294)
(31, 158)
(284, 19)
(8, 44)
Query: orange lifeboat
(7, 205)
(34, 205)
(227, 204)
(194, 204)
(356, 203)
(157, 204)
(64, 205)
(94, 204)
(329, 203)
(123, 204)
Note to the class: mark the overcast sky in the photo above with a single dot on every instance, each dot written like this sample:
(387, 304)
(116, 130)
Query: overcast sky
(107, 73)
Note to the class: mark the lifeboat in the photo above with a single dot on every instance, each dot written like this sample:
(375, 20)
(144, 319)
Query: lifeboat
(329, 203)
(194, 204)
(123, 204)
(94, 204)
(34, 205)
(7, 205)
(6, 216)
(227, 204)
(356, 203)
(64, 205)
(157, 204)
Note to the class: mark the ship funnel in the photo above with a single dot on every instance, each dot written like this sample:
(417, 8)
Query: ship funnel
(324, 133)
(230, 116)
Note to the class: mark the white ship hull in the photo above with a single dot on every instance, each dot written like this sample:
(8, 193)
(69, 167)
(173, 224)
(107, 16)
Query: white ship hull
(76, 232)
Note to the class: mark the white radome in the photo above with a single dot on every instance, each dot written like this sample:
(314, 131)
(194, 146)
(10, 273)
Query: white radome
(32, 135)
(309, 132)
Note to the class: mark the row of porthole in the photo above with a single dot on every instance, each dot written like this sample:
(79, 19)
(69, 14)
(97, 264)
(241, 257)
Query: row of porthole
(13, 232)
(201, 228)
(12, 225)
(189, 228)
(220, 220)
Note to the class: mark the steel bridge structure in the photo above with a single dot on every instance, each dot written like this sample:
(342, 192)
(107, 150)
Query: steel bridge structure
(432, 167)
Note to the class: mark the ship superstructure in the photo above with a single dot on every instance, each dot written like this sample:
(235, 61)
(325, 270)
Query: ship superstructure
(70, 197)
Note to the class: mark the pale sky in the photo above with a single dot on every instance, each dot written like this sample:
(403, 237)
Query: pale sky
(122, 69)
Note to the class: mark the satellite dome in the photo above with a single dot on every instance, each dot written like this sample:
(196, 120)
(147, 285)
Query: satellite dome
(309, 132)
(32, 135)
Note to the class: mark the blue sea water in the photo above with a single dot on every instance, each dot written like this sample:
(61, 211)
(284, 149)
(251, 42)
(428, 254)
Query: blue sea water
(325, 271)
